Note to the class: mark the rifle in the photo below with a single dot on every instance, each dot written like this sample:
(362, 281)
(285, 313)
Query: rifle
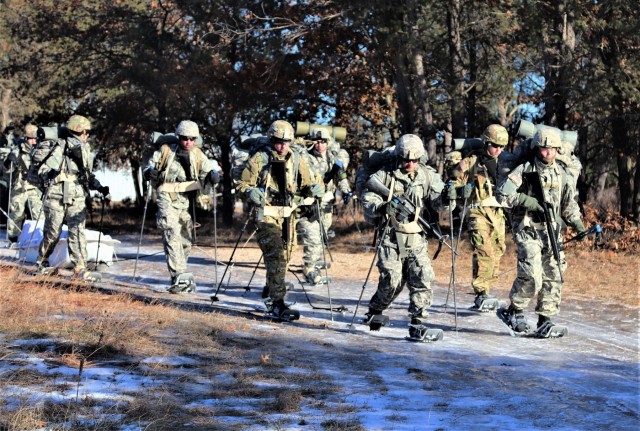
(282, 197)
(535, 182)
(408, 208)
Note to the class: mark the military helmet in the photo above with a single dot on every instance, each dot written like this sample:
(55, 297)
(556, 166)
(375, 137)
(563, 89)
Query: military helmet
(30, 131)
(453, 158)
(282, 130)
(495, 134)
(320, 134)
(547, 137)
(188, 128)
(409, 147)
(78, 124)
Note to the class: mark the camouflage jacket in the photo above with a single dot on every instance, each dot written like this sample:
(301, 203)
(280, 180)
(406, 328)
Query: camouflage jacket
(171, 173)
(73, 160)
(21, 157)
(257, 173)
(324, 166)
(558, 192)
(424, 190)
(481, 171)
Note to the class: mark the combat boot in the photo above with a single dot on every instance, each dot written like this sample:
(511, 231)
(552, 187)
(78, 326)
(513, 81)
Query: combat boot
(517, 320)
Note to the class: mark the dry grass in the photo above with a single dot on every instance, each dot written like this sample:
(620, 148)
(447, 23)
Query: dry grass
(82, 329)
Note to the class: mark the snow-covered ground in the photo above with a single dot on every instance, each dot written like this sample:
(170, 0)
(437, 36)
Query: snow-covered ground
(478, 377)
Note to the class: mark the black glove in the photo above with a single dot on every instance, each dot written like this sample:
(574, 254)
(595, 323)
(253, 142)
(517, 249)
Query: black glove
(10, 159)
(213, 177)
(529, 202)
(103, 190)
(151, 174)
(468, 189)
(52, 174)
(346, 197)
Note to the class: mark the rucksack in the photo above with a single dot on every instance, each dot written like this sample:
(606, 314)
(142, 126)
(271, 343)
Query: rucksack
(242, 151)
(39, 156)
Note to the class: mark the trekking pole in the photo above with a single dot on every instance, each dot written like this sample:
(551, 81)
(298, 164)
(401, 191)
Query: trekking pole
(100, 231)
(9, 220)
(364, 285)
(192, 202)
(324, 258)
(215, 233)
(214, 297)
(452, 280)
(8, 213)
(325, 239)
(144, 217)
(464, 209)
(233, 264)
(248, 288)
(45, 196)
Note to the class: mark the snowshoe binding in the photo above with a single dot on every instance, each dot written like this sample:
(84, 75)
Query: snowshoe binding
(548, 329)
(182, 283)
(281, 311)
(515, 320)
(44, 268)
(376, 320)
(485, 303)
(420, 333)
(88, 276)
(314, 278)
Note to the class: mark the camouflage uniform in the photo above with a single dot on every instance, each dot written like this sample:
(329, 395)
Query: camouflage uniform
(181, 174)
(486, 221)
(257, 174)
(25, 196)
(403, 258)
(538, 271)
(69, 172)
(329, 168)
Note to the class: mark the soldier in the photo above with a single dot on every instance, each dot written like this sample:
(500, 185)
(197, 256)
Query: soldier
(25, 197)
(403, 258)
(68, 171)
(275, 181)
(331, 167)
(538, 271)
(477, 175)
(179, 171)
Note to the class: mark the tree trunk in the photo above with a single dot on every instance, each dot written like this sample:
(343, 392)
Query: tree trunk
(456, 69)
(135, 168)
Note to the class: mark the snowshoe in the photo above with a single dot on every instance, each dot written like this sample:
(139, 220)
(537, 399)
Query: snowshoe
(182, 283)
(281, 311)
(548, 329)
(376, 320)
(323, 265)
(44, 268)
(485, 303)
(89, 276)
(314, 278)
(420, 333)
(515, 320)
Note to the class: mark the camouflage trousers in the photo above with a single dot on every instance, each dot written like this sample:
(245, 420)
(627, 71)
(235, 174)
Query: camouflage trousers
(75, 215)
(311, 235)
(414, 271)
(275, 254)
(25, 201)
(177, 231)
(487, 237)
(538, 272)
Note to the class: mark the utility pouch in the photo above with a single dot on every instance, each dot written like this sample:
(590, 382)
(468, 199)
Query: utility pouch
(67, 199)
